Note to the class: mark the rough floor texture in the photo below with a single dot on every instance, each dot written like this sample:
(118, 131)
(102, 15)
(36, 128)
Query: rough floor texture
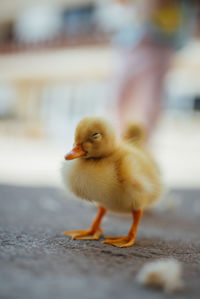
(37, 261)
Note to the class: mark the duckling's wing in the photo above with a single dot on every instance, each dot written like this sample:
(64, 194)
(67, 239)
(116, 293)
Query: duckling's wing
(139, 172)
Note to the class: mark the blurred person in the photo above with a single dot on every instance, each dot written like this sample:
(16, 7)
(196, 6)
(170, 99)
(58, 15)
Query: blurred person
(146, 52)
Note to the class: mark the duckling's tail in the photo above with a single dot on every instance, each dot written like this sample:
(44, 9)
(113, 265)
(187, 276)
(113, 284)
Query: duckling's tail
(135, 133)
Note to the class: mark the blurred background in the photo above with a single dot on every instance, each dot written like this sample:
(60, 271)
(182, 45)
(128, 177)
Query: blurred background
(61, 60)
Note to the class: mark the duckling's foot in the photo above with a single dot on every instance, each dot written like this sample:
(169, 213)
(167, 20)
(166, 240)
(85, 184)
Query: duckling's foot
(84, 234)
(121, 242)
(128, 240)
(90, 234)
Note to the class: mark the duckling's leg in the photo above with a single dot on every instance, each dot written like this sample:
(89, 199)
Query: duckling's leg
(130, 238)
(93, 232)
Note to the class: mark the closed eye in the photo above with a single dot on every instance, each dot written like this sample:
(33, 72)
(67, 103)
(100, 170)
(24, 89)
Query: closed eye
(96, 135)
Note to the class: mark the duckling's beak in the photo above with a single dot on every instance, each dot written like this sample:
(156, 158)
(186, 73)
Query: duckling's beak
(76, 152)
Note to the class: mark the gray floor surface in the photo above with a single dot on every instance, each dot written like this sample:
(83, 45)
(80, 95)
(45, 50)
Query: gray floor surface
(37, 261)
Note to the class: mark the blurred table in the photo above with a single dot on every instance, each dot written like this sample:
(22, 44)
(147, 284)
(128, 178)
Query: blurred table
(45, 66)
(30, 71)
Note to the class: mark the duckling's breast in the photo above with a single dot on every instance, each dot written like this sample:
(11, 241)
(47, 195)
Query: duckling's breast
(98, 182)
(91, 181)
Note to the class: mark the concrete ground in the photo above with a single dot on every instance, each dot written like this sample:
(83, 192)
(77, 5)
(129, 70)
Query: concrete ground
(37, 261)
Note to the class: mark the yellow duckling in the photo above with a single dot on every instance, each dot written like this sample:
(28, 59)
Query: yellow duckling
(117, 176)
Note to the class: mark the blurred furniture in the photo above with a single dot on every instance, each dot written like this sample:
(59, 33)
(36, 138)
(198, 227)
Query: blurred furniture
(11, 9)
(30, 73)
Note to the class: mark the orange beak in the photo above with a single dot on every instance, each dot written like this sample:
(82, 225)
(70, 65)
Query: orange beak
(76, 152)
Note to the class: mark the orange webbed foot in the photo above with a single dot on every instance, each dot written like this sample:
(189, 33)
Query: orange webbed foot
(120, 241)
(84, 234)
(90, 234)
(128, 240)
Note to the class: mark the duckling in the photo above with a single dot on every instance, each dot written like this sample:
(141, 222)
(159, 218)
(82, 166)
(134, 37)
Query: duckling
(119, 176)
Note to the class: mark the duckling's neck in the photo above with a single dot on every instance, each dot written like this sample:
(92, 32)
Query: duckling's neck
(93, 158)
(105, 156)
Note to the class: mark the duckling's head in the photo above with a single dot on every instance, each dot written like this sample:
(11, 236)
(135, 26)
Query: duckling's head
(94, 138)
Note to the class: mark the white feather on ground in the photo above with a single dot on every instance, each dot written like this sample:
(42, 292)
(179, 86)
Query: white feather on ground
(165, 274)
